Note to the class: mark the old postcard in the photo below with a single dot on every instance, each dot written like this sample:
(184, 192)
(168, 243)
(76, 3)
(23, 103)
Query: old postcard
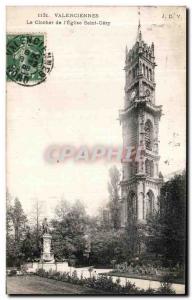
(96, 150)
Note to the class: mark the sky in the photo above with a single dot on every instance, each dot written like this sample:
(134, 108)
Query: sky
(78, 104)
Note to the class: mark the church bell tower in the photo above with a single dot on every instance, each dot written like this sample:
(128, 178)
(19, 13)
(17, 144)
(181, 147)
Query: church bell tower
(140, 185)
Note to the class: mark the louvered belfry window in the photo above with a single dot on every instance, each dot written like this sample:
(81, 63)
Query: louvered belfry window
(148, 135)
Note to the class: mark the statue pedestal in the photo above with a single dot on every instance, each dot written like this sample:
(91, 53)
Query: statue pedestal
(47, 255)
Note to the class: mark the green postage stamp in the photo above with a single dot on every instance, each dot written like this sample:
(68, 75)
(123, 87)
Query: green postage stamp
(28, 62)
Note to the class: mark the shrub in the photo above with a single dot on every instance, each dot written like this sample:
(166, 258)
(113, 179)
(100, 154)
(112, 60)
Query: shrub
(41, 273)
(74, 277)
(150, 291)
(165, 289)
(12, 273)
(105, 283)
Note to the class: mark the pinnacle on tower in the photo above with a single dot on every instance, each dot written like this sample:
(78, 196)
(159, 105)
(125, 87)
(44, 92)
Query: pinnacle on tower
(126, 51)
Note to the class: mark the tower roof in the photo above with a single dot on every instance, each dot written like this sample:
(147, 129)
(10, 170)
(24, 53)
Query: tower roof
(140, 48)
(139, 34)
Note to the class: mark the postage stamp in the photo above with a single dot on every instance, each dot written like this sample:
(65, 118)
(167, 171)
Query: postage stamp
(28, 62)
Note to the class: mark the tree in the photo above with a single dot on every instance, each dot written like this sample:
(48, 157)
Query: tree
(9, 231)
(35, 232)
(9, 214)
(110, 245)
(16, 229)
(19, 220)
(69, 230)
(114, 188)
(62, 209)
(27, 246)
(103, 247)
(167, 229)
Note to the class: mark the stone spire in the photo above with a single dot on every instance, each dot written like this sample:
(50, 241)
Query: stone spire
(139, 34)
(126, 50)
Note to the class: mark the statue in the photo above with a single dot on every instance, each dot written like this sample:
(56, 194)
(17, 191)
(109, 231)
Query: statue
(47, 255)
(45, 226)
(87, 248)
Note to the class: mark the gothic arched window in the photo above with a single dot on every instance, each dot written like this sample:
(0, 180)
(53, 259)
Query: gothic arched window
(137, 70)
(150, 74)
(149, 168)
(148, 135)
(147, 73)
(129, 74)
(149, 203)
(133, 72)
(131, 207)
(143, 70)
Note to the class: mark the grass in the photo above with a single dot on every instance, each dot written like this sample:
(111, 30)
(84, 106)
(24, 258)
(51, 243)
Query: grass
(35, 285)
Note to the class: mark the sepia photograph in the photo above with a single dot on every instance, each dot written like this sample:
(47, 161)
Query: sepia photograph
(96, 117)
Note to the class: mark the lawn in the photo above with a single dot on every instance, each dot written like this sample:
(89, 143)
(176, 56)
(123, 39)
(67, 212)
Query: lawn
(28, 285)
